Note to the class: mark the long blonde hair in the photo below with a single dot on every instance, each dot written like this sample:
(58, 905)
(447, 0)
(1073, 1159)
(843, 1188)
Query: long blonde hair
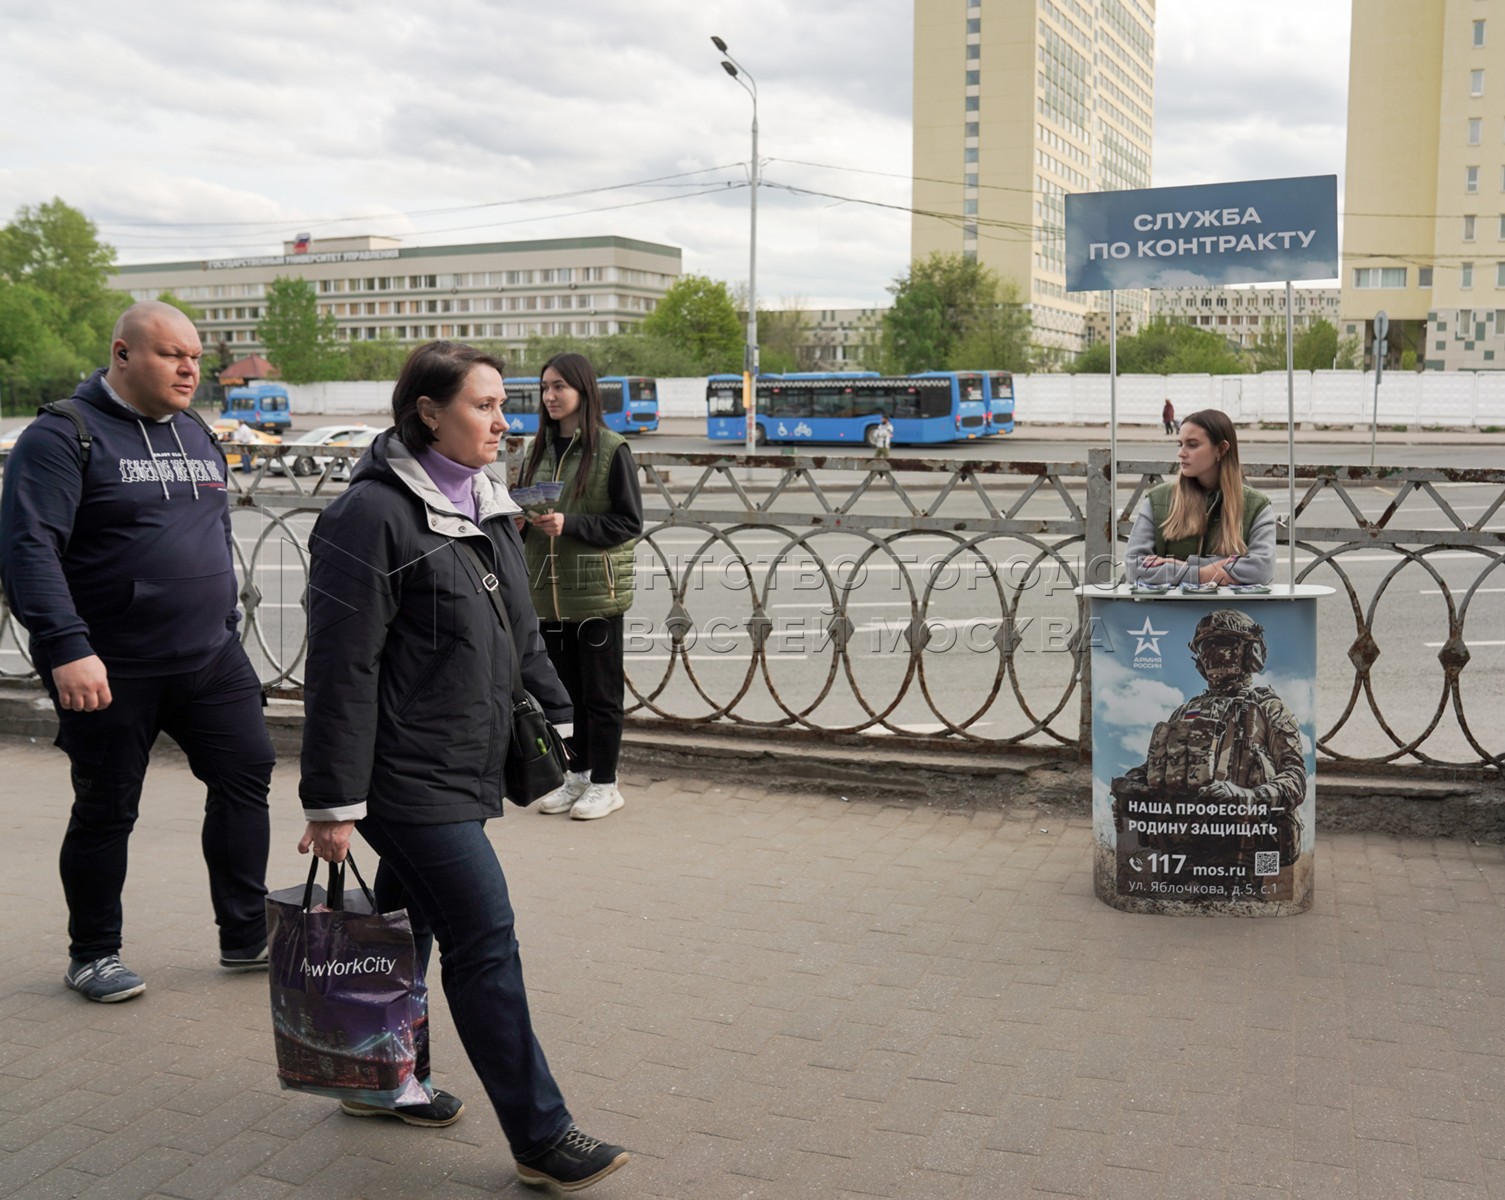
(1189, 502)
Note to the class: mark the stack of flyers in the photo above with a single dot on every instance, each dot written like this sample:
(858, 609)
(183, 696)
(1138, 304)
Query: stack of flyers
(537, 498)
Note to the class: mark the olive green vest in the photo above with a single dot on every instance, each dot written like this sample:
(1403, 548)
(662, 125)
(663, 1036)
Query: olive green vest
(570, 580)
(1160, 508)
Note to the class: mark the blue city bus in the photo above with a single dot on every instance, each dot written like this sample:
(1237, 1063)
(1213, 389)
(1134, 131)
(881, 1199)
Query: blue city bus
(1000, 401)
(936, 407)
(638, 415)
(263, 406)
(521, 409)
(640, 412)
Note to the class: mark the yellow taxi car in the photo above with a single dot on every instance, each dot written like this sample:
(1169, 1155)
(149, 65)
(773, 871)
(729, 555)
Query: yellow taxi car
(224, 430)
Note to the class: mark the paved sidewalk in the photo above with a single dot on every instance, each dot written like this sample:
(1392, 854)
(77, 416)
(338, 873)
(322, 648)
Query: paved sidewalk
(773, 995)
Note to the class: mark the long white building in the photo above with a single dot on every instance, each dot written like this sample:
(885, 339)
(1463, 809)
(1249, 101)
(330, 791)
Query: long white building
(374, 287)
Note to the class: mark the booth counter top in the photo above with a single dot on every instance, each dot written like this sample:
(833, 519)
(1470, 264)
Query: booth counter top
(1278, 591)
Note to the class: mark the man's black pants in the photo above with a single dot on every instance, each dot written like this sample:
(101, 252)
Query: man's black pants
(215, 715)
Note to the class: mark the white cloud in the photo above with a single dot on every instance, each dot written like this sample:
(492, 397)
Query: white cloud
(294, 112)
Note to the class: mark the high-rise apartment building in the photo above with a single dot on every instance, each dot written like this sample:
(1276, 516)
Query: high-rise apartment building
(1424, 187)
(1017, 103)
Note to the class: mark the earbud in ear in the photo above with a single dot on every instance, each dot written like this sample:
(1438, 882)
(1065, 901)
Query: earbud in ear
(121, 354)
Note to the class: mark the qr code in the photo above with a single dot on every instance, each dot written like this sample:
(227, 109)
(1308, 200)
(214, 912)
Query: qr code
(1267, 862)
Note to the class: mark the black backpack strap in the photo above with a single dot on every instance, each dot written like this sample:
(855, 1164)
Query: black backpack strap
(209, 433)
(69, 408)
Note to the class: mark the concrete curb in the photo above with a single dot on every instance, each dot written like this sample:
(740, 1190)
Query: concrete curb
(1024, 780)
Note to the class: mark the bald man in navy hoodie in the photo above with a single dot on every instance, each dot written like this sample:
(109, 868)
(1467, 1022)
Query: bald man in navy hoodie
(119, 565)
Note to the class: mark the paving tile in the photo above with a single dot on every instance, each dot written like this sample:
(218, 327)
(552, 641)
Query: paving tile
(768, 994)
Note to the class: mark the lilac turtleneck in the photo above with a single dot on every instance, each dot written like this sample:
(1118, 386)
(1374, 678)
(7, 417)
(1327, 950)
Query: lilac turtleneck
(452, 478)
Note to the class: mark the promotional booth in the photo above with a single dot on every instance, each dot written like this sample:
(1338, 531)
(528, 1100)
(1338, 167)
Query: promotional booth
(1203, 748)
(1203, 697)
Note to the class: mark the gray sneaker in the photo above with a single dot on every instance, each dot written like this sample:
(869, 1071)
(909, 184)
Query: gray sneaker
(600, 800)
(105, 979)
(563, 798)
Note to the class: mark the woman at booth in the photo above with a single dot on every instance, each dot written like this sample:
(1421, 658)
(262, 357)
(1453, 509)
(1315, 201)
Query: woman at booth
(1206, 525)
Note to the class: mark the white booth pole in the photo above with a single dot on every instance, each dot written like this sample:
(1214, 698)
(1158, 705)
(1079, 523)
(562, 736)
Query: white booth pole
(1291, 434)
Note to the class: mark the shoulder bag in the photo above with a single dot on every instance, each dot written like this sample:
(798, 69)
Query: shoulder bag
(535, 753)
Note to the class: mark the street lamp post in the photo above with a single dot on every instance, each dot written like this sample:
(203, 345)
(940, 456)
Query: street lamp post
(749, 355)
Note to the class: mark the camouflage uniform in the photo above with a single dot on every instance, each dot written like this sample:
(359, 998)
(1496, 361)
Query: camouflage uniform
(1234, 744)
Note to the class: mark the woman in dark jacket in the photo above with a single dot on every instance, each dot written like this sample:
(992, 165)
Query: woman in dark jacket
(407, 717)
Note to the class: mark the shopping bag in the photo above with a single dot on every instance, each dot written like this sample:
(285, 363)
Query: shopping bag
(349, 1002)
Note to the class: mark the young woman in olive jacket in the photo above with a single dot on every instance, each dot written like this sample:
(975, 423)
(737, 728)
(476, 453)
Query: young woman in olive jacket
(580, 572)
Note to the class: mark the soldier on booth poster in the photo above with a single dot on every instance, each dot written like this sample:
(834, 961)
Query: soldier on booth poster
(1214, 811)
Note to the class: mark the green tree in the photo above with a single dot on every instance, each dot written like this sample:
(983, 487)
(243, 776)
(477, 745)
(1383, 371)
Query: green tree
(379, 359)
(52, 261)
(1164, 347)
(192, 312)
(695, 319)
(786, 340)
(300, 343)
(946, 310)
(1316, 347)
(998, 338)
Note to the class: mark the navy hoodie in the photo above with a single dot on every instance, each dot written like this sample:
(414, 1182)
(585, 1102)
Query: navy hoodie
(133, 562)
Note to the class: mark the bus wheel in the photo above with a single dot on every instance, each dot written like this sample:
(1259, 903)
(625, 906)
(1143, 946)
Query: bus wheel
(760, 436)
(870, 435)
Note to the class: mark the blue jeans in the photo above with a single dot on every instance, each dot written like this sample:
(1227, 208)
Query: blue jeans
(214, 714)
(454, 885)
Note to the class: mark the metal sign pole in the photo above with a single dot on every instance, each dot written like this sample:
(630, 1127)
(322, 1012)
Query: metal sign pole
(1291, 434)
(1381, 328)
(1113, 435)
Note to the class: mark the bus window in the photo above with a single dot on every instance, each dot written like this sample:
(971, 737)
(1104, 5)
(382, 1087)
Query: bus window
(611, 396)
(643, 389)
(831, 402)
(721, 403)
(787, 402)
(935, 402)
(907, 404)
(522, 397)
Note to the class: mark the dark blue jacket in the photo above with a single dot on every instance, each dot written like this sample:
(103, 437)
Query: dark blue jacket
(130, 561)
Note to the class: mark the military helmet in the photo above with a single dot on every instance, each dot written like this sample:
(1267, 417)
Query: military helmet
(1224, 623)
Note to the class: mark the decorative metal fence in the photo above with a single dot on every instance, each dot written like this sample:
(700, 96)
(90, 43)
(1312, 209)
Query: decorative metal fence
(932, 600)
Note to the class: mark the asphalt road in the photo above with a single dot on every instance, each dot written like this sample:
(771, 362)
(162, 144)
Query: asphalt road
(710, 579)
(1057, 443)
(963, 595)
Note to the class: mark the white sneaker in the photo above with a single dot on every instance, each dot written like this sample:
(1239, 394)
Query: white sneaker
(562, 798)
(600, 800)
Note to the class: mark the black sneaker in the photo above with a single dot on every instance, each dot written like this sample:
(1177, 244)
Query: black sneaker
(573, 1162)
(444, 1110)
(106, 979)
(251, 958)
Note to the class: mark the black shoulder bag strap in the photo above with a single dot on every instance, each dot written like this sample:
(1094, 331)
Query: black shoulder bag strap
(493, 587)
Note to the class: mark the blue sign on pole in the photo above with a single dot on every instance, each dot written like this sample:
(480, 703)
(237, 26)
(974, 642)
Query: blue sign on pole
(1257, 231)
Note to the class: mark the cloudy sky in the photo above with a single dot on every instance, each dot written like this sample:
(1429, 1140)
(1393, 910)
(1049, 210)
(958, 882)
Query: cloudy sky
(190, 130)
